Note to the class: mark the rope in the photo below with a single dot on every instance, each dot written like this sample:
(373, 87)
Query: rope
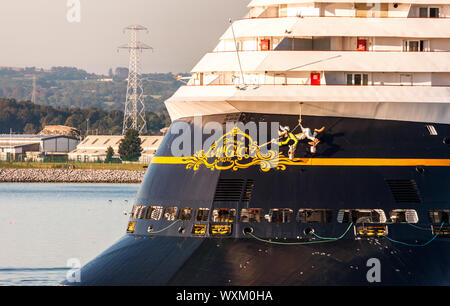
(416, 245)
(418, 227)
(166, 228)
(338, 238)
(300, 115)
(305, 242)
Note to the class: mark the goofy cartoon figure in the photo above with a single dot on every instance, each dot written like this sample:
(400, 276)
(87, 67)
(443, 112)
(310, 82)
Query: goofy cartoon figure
(286, 137)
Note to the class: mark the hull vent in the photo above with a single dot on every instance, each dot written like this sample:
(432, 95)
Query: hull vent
(229, 190)
(404, 191)
(234, 190)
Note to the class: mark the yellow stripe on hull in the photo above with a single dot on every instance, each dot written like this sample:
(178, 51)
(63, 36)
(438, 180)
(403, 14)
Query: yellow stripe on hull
(387, 162)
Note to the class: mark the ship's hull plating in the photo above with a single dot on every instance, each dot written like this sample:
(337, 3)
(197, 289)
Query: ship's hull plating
(176, 257)
(246, 262)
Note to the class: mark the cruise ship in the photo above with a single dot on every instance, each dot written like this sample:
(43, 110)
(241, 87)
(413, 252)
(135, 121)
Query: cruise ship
(346, 179)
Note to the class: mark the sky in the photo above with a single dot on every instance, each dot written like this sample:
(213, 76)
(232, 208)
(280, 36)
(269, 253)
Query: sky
(39, 32)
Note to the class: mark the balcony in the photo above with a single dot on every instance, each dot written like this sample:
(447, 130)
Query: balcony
(291, 61)
(340, 26)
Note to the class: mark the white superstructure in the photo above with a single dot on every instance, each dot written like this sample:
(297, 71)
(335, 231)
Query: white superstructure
(379, 59)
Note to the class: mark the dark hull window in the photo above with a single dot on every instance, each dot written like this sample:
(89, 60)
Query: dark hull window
(202, 214)
(138, 212)
(186, 214)
(404, 216)
(252, 215)
(361, 216)
(439, 216)
(223, 215)
(279, 215)
(315, 215)
(170, 213)
(154, 212)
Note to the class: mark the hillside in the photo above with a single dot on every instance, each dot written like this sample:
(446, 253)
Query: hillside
(72, 87)
(29, 118)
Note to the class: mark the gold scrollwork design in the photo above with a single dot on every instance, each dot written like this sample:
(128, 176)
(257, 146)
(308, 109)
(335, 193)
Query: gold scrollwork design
(231, 152)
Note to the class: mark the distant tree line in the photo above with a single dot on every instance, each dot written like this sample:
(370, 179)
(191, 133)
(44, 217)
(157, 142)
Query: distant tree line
(72, 87)
(29, 118)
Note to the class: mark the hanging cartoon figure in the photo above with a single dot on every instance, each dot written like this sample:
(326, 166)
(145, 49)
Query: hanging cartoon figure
(306, 133)
(286, 137)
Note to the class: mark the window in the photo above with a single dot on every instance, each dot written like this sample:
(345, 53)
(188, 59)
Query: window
(404, 216)
(138, 211)
(371, 231)
(439, 216)
(423, 12)
(131, 226)
(434, 12)
(252, 215)
(279, 215)
(199, 229)
(202, 214)
(314, 215)
(220, 229)
(361, 216)
(185, 214)
(170, 213)
(154, 212)
(357, 79)
(223, 215)
(429, 12)
(415, 45)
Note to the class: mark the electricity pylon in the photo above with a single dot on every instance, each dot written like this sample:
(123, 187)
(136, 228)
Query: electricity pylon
(134, 115)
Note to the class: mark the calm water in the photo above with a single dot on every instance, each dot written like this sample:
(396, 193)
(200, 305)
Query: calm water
(42, 226)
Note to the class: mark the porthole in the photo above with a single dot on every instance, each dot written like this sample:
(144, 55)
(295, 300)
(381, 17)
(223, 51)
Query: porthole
(308, 231)
(248, 230)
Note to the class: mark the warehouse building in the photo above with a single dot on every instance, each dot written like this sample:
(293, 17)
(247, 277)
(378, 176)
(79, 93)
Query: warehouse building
(93, 148)
(22, 147)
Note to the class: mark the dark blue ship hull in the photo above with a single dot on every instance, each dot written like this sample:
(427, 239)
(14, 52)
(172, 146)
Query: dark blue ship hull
(179, 256)
(245, 262)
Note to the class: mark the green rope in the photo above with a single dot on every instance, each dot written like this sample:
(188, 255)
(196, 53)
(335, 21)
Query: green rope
(416, 245)
(418, 227)
(166, 228)
(340, 237)
(305, 242)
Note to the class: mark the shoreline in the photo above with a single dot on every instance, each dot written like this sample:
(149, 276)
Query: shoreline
(71, 176)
